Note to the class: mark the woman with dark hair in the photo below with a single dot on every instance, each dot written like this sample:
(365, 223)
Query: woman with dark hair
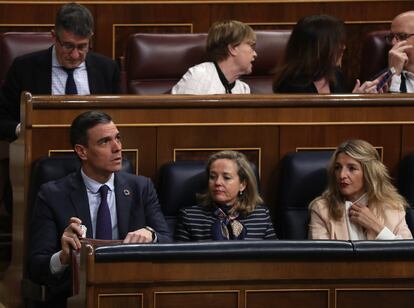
(360, 203)
(313, 58)
(231, 209)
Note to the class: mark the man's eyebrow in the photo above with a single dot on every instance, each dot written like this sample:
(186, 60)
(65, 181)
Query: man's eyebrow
(106, 138)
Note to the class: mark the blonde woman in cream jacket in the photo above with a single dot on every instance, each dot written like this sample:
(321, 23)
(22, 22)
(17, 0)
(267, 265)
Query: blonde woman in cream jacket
(360, 203)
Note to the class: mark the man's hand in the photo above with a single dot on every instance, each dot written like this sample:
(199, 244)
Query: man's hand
(70, 239)
(18, 128)
(363, 216)
(139, 236)
(366, 87)
(397, 56)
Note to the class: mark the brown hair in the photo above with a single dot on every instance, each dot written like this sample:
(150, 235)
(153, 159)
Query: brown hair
(225, 33)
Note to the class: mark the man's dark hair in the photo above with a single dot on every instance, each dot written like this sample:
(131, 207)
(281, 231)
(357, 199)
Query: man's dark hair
(83, 122)
(74, 18)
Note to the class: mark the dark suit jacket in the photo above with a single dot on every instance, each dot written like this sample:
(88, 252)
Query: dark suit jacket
(136, 204)
(33, 73)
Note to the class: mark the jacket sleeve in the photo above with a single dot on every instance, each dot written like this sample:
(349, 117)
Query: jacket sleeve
(153, 214)
(318, 229)
(10, 104)
(44, 240)
(401, 230)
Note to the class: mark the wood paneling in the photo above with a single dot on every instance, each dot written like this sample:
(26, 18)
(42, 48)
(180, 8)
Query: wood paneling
(253, 155)
(122, 31)
(120, 300)
(190, 299)
(250, 282)
(143, 141)
(330, 136)
(383, 298)
(263, 140)
(288, 298)
(407, 139)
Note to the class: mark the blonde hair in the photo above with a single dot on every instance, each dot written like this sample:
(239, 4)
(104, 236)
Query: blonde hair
(224, 33)
(377, 182)
(250, 198)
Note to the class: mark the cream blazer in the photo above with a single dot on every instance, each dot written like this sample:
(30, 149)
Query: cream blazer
(321, 226)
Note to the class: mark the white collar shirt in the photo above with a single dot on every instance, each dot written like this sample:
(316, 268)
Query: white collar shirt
(396, 82)
(59, 77)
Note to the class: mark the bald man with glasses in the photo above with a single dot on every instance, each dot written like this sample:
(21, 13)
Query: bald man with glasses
(66, 68)
(401, 55)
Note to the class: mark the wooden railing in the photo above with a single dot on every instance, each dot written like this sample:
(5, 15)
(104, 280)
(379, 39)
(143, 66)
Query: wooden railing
(249, 274)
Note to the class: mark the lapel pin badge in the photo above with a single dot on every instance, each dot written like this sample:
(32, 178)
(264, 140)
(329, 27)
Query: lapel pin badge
(126, 192)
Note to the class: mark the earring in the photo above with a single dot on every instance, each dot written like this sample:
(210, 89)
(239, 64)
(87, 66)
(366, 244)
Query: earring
(241, 193)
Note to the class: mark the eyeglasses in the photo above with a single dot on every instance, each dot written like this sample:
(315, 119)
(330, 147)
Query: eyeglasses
(69, 47)
(398, 37)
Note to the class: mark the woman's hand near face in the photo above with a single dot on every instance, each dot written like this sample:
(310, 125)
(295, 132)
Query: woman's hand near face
(363, 216)
(366, 87)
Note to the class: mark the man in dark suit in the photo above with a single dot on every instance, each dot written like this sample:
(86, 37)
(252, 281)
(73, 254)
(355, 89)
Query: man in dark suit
(401, 55)
(67, 67)
(65, 206)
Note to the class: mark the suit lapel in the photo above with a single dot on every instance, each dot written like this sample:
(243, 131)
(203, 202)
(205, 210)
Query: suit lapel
(80, 202)
(124, 200)
(44, 72)
(93, 75)
(340, 229)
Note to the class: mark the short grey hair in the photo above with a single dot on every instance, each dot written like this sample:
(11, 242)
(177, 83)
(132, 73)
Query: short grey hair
(74, 18)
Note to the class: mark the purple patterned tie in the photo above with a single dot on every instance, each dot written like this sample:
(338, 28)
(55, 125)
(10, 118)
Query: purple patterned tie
(103, 220)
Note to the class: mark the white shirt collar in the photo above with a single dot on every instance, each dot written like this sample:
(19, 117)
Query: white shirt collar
(93, 186)
(408, 74)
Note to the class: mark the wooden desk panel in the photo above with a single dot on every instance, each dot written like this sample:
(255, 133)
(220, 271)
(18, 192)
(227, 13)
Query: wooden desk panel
(407, 140)
(248, 283)
(322, 137)
(158, 128)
